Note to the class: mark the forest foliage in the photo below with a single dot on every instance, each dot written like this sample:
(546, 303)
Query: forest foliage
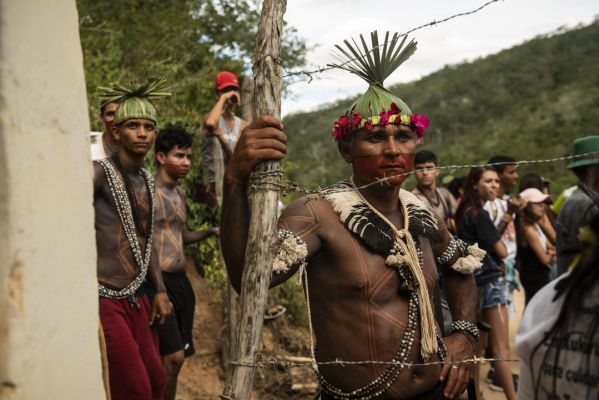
(186, 42)
(183, 41)
(530, 102)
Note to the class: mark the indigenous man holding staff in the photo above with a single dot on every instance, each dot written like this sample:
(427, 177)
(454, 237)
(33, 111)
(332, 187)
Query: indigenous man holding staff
(367, 251)
(124, 210)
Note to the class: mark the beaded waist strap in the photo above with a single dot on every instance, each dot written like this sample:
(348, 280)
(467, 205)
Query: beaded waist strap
(128, 291)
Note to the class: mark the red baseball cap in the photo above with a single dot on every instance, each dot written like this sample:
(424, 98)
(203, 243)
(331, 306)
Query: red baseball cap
(226, 79)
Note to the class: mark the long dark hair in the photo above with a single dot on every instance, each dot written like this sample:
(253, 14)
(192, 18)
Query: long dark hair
(471, 203)
(528, 217)
(574, 288)
(524, 218)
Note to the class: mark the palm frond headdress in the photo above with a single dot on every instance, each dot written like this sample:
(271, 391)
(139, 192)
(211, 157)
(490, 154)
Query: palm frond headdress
(377, 106)
(134, 98)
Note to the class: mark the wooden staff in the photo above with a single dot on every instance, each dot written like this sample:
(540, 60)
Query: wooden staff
(263, 208)
(247, 99)
(232, 302)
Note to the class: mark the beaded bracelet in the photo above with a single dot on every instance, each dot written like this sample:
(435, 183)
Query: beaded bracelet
(449, 252)
(454, 245)
(467, 327)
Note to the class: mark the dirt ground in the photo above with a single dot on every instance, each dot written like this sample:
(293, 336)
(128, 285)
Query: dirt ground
(203, 375)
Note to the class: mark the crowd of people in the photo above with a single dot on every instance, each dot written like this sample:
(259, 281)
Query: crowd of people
(518, 229)
(412, 285)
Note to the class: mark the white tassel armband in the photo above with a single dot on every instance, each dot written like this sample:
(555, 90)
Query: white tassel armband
(470, 256)
(471, 261)
(292, 250)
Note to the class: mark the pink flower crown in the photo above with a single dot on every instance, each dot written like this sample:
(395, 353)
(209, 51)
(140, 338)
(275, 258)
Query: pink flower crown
(350, 122)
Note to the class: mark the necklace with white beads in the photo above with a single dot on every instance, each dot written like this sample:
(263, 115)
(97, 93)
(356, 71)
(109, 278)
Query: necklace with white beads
(123, 208)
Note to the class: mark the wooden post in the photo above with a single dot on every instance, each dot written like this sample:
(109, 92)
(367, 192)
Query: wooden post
(247, 99)
(230, 309)
(263, 208)
(219, 167)
(232, 301)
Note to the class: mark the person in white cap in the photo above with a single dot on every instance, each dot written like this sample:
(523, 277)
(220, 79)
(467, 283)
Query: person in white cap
(535, 250)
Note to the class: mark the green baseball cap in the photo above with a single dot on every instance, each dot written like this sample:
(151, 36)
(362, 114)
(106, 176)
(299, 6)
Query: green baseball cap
(585, 145)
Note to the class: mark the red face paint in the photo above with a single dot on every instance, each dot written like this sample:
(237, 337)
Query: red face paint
(109, 125)
(380, 166)
(384, 153)
(178, 162)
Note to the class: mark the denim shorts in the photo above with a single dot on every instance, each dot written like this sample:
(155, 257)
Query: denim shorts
(492, 294)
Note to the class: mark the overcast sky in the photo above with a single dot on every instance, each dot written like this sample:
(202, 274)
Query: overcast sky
(501, 25)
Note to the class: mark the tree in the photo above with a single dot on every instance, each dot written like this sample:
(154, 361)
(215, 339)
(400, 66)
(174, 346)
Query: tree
(184, 41)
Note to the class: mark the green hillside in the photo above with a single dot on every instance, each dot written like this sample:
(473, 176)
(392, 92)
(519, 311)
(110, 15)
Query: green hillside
(530, 102)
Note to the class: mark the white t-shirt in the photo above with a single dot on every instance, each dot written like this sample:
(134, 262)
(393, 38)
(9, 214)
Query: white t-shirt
(572, 378)
(497, 209)
(97, 146)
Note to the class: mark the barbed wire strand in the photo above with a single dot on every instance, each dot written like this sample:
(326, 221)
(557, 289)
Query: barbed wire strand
(330, 66)
(290, 186)
(265, 362)
(463, 166)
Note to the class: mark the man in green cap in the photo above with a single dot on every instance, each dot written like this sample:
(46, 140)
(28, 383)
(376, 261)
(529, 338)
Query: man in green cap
(124, 219)
(582, 204)
(366, 249)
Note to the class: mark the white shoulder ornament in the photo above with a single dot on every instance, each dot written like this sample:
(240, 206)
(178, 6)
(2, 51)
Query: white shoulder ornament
(291, 250)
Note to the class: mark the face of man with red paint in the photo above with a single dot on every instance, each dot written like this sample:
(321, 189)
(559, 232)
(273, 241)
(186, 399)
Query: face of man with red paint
(384, 152)
(176, 163)
(107, 116)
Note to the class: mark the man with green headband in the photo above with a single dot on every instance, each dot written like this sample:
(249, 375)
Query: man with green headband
(366, 249)
(124, 209)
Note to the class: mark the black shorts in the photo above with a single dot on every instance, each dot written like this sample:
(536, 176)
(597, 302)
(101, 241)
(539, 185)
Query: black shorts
(175, 334)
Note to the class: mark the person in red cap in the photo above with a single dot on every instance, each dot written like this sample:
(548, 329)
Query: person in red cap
(221, 128)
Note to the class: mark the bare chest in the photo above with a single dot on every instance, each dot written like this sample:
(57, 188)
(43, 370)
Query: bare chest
(170, 209)
(135, 205)
(346, 267)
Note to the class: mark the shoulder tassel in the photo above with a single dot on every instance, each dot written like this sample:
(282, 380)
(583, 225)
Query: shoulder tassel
(470, 263)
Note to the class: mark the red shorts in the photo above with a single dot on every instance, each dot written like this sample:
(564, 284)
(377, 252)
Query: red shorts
(134, 364)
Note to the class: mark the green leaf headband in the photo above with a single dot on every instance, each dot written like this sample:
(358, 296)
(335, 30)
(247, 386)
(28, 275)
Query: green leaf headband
(378, 106)
(134, 98)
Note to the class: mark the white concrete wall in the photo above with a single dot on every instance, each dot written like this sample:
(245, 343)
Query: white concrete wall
(48, 297)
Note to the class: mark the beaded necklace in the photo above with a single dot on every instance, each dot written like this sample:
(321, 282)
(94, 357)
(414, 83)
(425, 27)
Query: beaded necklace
(125, 212)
